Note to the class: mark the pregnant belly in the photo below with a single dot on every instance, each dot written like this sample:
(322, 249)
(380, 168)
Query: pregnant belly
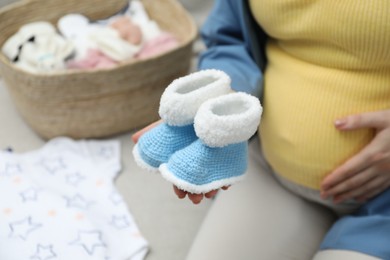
(301, 102)
(302, 144)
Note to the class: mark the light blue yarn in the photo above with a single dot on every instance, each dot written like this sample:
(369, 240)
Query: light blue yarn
(199, 164)
(157, 145)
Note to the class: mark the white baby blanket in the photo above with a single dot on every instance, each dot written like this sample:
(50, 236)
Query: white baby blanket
(60, 202)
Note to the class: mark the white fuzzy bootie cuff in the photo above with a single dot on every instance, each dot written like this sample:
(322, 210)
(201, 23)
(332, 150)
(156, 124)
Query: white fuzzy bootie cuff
(182, 98)
(228, 119)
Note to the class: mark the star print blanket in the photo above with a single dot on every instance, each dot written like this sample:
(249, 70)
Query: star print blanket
(60, 202)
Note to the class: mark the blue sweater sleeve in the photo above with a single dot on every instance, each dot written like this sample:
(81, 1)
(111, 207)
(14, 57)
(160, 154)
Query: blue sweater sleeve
(228, 49)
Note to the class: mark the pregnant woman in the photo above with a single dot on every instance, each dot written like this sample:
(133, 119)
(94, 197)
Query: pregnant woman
(322, 71)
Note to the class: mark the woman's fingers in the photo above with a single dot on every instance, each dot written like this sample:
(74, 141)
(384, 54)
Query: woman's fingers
(374, 185)
(180, 193)
(195, 198)
(226, 187)
(211, 194)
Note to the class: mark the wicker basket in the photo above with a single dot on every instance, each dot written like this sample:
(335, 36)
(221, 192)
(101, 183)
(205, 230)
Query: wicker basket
(97, 103)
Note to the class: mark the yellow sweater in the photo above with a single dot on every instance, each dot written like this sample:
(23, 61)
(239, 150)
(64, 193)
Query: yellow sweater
(327, 59)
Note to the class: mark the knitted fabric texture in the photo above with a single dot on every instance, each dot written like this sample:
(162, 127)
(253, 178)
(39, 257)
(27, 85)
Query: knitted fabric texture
(215, 161)
(178, 106)
(157, 145)
(199, 168)
(325, 61)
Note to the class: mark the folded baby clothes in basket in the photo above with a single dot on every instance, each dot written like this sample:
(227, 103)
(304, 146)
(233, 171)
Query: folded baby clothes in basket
(60, 202)
(37, 47)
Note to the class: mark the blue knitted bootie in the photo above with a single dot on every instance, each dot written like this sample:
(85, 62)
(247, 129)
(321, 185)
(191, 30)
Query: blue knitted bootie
(219, 157)
(178, 106)
(157, 145)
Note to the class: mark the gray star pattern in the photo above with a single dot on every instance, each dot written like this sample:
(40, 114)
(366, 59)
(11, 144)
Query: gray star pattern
(106, 152)
(53, 165)
(89, 240)
(30, 194)
(11, 169)
(77, 201)
(23, 228)
(120, 222)
(44, 253)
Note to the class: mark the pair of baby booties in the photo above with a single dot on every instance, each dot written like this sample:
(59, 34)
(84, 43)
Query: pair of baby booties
(202, 144)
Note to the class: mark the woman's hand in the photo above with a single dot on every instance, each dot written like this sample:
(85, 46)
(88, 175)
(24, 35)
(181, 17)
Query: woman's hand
(195, 198)
(367, 173)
